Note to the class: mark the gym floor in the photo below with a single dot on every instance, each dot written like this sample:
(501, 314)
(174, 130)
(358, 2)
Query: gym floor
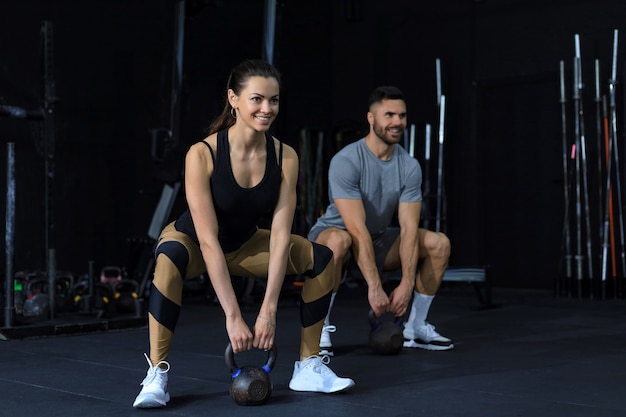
(531, 354)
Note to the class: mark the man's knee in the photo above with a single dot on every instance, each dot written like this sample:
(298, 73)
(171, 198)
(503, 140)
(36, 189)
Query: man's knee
(437, 245)
(338, 241)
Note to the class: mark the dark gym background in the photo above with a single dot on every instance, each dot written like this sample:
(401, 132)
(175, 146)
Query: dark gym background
(113, 73)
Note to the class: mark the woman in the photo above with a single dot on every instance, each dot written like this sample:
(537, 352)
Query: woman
(234, 177)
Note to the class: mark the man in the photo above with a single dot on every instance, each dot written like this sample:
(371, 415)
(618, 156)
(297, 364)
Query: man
(370, 182)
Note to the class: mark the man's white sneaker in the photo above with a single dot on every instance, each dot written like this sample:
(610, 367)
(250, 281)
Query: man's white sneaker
(425, 337)
(313, 375)
(326, 345)
(154, 392)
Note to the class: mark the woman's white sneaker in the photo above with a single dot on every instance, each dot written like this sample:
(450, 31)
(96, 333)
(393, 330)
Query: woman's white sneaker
(154, 392)
(312, 374)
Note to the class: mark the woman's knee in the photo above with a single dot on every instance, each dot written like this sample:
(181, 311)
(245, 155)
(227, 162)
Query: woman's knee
(322, 258)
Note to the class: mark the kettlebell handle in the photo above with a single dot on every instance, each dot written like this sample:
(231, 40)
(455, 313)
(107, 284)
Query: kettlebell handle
(229, 356)
(375, 322)
(37, 281)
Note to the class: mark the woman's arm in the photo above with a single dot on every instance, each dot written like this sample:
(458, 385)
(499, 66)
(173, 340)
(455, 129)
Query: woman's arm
(198, 171)
(280, 236)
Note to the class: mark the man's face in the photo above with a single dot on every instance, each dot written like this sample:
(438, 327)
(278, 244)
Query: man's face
(389, 120)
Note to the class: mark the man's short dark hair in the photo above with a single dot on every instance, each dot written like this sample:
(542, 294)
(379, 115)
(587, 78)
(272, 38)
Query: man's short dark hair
(385, 92)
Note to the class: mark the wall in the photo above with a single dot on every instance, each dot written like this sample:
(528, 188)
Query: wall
(500, 73)
(503, 170)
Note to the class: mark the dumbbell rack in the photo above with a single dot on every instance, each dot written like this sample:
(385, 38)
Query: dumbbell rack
(84, 319)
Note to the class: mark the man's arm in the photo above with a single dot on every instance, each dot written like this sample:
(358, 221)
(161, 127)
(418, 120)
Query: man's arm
(353, 214)
(408, 218)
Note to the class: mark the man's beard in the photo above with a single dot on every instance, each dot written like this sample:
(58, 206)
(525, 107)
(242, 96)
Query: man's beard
(381, 133)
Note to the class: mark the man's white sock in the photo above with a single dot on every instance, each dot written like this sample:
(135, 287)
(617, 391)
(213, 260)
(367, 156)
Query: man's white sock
(332, 300)
(419, 309)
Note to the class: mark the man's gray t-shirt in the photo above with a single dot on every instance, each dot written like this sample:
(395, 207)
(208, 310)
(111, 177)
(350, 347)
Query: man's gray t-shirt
(355, 173)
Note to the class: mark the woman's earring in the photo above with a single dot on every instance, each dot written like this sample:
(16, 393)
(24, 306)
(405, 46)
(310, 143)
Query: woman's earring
(232, 113)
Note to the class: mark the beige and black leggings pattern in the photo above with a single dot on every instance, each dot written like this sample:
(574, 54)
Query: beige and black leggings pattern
(178, 257)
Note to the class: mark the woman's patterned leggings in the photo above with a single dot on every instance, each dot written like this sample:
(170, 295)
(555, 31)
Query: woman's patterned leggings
(178, 257)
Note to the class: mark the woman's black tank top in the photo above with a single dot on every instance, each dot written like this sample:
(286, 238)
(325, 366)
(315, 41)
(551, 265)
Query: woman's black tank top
(239, 210)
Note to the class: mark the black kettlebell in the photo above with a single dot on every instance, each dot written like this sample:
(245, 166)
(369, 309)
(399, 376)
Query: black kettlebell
(250, 385)
(37, 303)
(125, 294)
(385, 335)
